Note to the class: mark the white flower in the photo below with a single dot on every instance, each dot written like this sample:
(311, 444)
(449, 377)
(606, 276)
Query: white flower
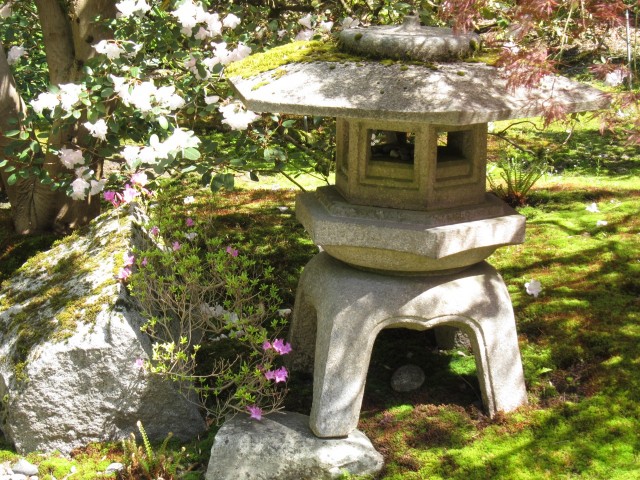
(211, 99)
(45, 100)
(534, 287)
(179, 140)
(110, 49)
(14, 54)
(306, 21)
(188, 200)
(98, 129)
(70, 157)
(190, 236)
(214, 25)
(130, 154)
(148, 155)
(593, 208)
(304, 35)
(326, 26)
(69, 95)
(237, 117)
(602, 223)
(350, 22)
(140, 96)
(79, 186)
(202, 34)
(5, 10)
(231, 21)
(166, 97)
(97, 186)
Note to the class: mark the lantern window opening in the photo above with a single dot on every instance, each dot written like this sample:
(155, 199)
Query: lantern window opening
(390, 146)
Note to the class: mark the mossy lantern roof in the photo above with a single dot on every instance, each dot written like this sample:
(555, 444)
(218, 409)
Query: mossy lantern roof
(452, 92)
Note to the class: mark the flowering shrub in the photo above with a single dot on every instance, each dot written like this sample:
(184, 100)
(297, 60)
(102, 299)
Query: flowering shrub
(212, 314)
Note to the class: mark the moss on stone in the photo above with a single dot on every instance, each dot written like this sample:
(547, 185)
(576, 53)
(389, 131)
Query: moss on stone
(295, 52)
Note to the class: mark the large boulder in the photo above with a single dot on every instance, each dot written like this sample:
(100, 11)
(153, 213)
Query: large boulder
(71, 350)
(281, 446)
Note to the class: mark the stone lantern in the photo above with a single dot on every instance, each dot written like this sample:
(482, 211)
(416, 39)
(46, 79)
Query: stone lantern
(407, 225)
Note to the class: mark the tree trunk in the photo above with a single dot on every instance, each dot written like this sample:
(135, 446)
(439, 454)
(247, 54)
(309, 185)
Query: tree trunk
(69, 32)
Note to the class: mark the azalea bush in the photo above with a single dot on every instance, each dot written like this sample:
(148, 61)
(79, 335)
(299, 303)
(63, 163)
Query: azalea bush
(154, 97)
(212, 314)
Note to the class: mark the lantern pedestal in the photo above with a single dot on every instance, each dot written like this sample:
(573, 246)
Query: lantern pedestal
(340, 310)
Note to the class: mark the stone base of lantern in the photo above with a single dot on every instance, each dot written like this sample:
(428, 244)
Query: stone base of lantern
(340, 310)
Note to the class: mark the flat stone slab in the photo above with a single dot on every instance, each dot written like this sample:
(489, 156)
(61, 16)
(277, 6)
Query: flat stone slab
(407, 240)
(282, 447)
(410, 40)
(449, 94)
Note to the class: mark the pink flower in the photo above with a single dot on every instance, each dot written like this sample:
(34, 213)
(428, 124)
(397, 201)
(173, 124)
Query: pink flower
(129, 194)
(112, 197)
(190, 222)
(128, 259)
(232, 251)
(124, 274)
(266, 345)
(155, 231)
(281, 375)
(139, 178)
(139, 364)
(144, 262)
(281, 346)
(176, 246)
(256, 412)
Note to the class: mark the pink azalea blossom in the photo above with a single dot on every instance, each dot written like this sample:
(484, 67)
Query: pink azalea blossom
(144, 262)
(281, 375)
(190, 222)
(129, 194)
(155, 231)
(232, 251)
(124, 274)
(139, 178)
(176, 246)
(281, 346)
(270, 375)
(128, 259)
(266, 345)
(112, 197)
(256, 412)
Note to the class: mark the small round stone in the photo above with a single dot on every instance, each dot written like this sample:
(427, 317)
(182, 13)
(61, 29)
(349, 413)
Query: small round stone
(407, 378)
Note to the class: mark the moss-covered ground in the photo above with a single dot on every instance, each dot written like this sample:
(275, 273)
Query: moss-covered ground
(579, 339)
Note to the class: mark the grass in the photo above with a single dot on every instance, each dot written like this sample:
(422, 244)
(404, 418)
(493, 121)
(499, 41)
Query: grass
(579, 339)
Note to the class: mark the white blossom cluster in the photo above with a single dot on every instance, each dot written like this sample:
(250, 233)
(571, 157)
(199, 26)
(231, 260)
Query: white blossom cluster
(67, 96)
(176, 143)
(192, 16)
(236, 116)
(146, 97)
(14, 54)
(309, 24)
(84, 184)
(128, 8)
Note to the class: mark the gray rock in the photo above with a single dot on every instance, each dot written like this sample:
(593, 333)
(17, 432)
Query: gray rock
(281, 446)
(24, 467)
(114, 467)
(407, 378)
(69, 341)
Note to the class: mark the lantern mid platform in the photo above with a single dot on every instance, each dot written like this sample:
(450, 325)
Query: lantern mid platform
(340, 310)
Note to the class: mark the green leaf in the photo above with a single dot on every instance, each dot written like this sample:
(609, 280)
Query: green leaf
(11, 133)
(13, 178)
(3, 162)
(163, 122)
(24, 135)
(191, 153)
(288, 123)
